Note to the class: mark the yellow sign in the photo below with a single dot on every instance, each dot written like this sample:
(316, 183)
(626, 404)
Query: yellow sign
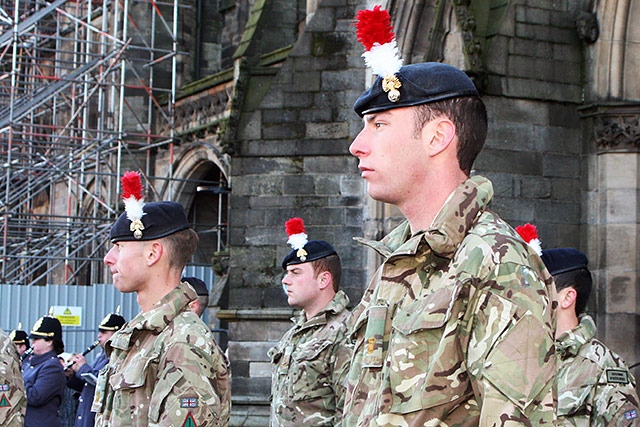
(68, 315)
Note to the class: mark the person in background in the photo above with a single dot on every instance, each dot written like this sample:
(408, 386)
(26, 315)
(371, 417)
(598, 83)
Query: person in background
(13, 402)
(595, 387)
(164, 365)
(83, 375)
(198, 305)
(43, 375)
(20, 339)
(311, 360)
(69, 405)
(457, 325)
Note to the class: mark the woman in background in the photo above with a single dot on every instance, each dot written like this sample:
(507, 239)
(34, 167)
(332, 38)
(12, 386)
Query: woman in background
(43, 375)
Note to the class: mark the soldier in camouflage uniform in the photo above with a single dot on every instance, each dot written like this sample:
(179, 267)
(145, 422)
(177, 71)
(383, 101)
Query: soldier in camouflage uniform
(595, 387)
(456, 328)
(164, 368)
(13, 402)
(311, 360)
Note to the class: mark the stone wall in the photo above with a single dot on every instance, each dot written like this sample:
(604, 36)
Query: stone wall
(292, 160)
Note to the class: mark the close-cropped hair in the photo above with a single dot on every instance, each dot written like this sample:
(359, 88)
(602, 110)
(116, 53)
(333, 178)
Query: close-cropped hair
(581, 281)
(469, 115)
(331, 264)
(182, 245)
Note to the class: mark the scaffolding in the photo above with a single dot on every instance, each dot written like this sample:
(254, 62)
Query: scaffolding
(87, 88)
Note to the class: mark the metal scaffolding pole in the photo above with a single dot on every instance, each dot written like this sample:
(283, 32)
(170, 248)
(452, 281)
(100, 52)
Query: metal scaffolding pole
(79, 98)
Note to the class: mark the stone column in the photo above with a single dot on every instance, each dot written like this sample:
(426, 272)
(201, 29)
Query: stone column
(613, 218)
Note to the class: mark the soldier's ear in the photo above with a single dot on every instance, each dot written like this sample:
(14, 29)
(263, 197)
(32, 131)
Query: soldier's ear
(567, 297)
(324, 279)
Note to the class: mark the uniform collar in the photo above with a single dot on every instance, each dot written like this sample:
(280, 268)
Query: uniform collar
(156, 319)
(336, 305)
(449, 227)
(568, 344)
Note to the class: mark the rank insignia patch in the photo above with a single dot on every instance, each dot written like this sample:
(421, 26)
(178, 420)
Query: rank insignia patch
(4, 402)
(189, 402)
(189, 421)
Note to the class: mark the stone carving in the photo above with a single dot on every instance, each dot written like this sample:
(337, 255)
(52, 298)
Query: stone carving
(618, 132)
(587, 26)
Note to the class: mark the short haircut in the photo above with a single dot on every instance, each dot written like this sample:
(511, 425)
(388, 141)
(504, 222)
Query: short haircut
(469, 115)
(331, 264)
(182, 245)
(203, 300)
(580, 280)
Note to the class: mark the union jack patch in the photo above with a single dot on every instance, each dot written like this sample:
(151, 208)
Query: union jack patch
(4, 387)
(189, 402)
(631, 415)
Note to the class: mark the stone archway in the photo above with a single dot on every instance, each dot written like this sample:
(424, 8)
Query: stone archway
(201, 185)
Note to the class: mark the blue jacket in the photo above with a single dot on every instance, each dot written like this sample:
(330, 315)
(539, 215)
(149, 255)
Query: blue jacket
(84, 417)
(44, 382)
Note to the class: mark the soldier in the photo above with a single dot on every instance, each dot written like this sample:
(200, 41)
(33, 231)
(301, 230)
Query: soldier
(20, 339)
(84, 375)
(13, 401)
(595, 387)
(164, 365)
(457, 326)
(198, 305)
(311, 360)
(44, 379)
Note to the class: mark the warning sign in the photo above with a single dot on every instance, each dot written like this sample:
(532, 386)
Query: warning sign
(68, 315)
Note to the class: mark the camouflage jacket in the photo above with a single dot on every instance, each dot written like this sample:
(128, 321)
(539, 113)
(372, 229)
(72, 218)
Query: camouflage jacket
(310, 366)
(595, 387)
(164, 369)
(13, 401)
(456, 327)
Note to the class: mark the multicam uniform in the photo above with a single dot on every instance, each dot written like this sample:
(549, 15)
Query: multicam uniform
(456, 328)
(595, 387)
(311, 362)
(13, 401)
(164, 369)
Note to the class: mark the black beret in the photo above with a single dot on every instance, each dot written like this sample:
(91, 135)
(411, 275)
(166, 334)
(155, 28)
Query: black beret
(160, 219)
(311, 251)
(562, 260)
(47, 327)
(111, 322)
(19, 337)
(198, 285)
(421, 83)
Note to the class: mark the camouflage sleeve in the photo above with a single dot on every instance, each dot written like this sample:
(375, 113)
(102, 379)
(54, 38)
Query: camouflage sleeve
(615, 401)
(341, 362)
(13, 402)
(510, 354)
(185, 393)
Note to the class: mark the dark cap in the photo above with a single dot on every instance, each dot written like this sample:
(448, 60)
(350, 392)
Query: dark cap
(198, 285)
(111, 322)
(562, 260)
(313, 250)
(420, 84)
(160, 219)
(47, 327)
(19, 337)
